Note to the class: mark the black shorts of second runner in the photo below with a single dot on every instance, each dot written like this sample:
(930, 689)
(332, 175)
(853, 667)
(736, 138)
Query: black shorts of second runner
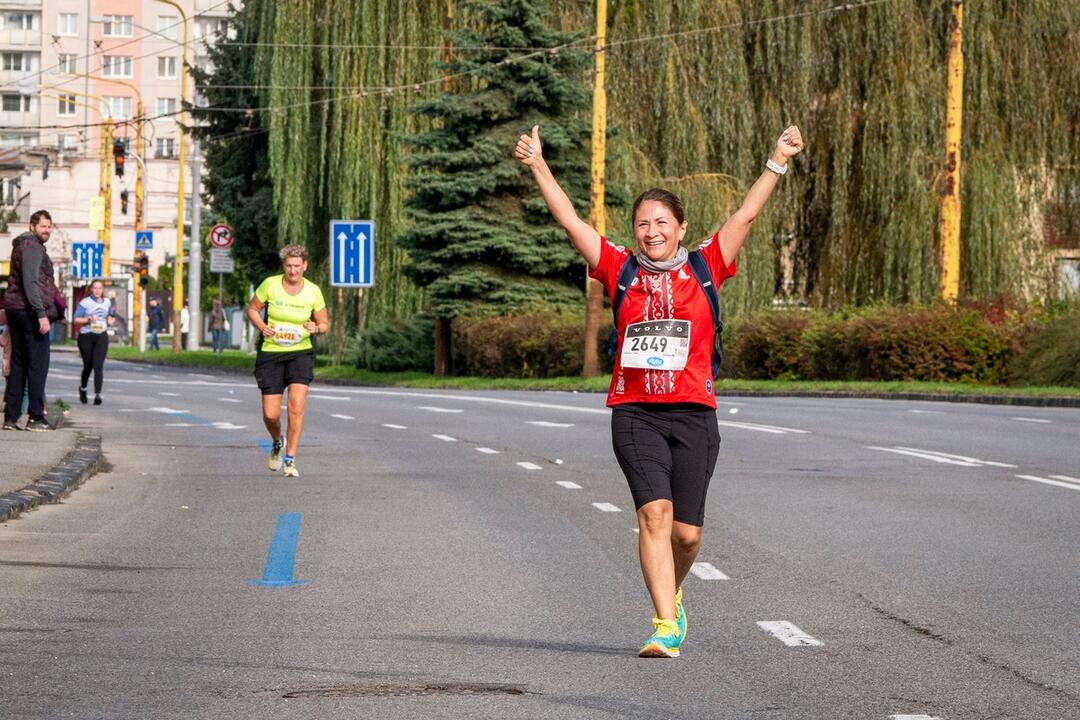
(667, 452)
(274, 371)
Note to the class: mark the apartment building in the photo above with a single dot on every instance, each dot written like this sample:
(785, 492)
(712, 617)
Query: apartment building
(66, 66)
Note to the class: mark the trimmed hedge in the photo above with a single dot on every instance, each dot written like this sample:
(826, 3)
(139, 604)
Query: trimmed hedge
(535, 345)
(1052, 357)
(394, 346)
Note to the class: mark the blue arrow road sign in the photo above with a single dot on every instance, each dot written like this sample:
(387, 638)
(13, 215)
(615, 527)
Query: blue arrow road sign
(352, 253)
(86, 259)
(144, 239)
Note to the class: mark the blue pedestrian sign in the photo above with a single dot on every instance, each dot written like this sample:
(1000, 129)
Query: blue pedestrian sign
(144, 239)
(86, 259)
(352, 253)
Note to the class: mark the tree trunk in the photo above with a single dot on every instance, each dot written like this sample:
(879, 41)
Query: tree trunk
(594, 310)
(442, 347)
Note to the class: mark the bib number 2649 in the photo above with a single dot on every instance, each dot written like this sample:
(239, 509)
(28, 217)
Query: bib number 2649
(656, 345)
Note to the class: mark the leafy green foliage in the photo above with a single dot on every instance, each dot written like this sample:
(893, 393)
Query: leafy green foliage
(1052, 357)
(533, 345)
(394, 345)
(481, 239)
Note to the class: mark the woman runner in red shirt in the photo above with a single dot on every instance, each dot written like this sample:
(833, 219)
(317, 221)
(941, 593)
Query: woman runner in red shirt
(663, 418)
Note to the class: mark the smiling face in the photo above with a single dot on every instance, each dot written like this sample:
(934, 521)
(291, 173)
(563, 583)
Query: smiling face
(657, 231)
(294, 269)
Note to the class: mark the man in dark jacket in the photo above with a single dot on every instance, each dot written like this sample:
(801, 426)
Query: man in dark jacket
(30, 303)
(157, 323)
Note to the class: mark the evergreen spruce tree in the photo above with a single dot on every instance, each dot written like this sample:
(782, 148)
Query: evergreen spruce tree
(237, 178)
(481, 239)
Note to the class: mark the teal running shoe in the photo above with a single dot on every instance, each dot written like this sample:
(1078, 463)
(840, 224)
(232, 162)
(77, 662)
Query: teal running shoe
(680, 615)
(664, 642)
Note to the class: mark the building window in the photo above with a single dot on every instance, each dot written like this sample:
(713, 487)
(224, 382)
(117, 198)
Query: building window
(116, 106)
(68, 64)
(118, 26)
(12, 103)
(166, 68)
(68, 142)
(15, 61)
(14, 140)
(19, 21)
(65, 106)
(117, 66)
(166, 148)
(68, 24)
(166, 106)
(167, 26)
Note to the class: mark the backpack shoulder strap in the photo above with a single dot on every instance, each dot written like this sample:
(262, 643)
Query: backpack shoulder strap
(704, 278)
(626, 276)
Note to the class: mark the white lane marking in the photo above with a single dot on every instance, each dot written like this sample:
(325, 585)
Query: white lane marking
(179, 425)
(963, 458)
(774, 429)
(329, 397)
(706, 571)
(127, 410)
(487, 451)
(168, 411)
(914, 717)
(788, 633)
(528, 465)
(431, 408)
(568, 484)
(1045, 481)
(165, 394)
(343, 417)
(637, 530)
(927, 412)
(1034, 420)
(1066, 478)
(444, 438)
(395, 427)
(227, 426)
(940, 457)
(606, 507)
(545, 423)
(231, 400)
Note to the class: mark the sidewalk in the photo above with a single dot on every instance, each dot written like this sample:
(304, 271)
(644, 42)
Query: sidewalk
(29, 455)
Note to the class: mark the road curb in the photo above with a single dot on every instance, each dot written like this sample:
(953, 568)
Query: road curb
(78, 465)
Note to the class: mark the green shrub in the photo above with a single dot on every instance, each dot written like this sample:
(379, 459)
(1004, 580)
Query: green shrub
(766, 345)
(1051, 356)
(534, 345)
(394, 346)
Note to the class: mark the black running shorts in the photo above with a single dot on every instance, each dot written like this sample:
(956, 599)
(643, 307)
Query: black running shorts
(667, 452)
(274, 371)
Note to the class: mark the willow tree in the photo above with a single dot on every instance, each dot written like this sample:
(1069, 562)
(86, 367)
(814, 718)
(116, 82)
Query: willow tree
(481, 239)
(701, 88)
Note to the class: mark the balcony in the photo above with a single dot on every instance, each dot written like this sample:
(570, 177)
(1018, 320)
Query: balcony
(17, 118)
(20, 39)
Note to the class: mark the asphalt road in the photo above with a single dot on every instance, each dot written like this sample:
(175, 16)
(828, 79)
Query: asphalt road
(472, 555)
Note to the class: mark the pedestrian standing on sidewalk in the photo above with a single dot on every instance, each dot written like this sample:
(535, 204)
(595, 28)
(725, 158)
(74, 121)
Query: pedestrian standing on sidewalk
(185, 325)
(287, 310)
(93, 317)
(5, 344)
(216, 322)
(30, 302)
(663, 420)
(157, 323)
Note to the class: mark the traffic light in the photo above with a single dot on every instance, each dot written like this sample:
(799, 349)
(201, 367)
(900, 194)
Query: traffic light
(119, 152)
(123, 201)
(142, 266)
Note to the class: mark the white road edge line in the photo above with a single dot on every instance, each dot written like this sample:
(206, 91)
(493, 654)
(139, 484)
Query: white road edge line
(1057, 483)
(487, 451)
(395, 427)
(788, 633)
(568, 484)
(606, 507)
(528, 465)
(706, 571)
(444, 438)
(1034, 420)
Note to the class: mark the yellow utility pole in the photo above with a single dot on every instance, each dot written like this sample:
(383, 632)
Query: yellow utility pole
(949, 277)
(594, 291)
(178, 279)
(105, 235)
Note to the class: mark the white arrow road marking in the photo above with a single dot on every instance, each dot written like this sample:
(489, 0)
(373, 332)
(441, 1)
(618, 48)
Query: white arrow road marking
(788, 633)
(1034, 420)
(706, 571)
(394, 427)
(568, 484)
(545, 423)
(343, 417)
(528, 465)
(606, 507)
(1046, 481)
(774, 429)
(431, 408)
(487, 451)
(444, 438)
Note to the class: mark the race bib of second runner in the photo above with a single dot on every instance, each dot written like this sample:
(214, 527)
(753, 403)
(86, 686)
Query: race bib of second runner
(97, 325)
(287, 335)
(656, 345)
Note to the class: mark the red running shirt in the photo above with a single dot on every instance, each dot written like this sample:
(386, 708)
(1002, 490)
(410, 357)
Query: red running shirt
(673, 295)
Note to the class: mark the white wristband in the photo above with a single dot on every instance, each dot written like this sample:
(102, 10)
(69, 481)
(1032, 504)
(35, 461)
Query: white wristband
(778, 169)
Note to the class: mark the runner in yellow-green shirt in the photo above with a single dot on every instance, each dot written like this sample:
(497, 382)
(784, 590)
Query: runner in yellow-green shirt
(288, 310)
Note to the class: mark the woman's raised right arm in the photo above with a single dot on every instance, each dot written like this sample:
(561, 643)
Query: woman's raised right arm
(582, 236)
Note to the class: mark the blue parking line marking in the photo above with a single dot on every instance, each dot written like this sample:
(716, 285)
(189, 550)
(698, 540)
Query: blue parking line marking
(281, 557)
(265, 445)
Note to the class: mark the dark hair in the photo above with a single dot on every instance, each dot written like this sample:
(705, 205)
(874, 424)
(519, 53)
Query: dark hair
(669, 199)
(36, 217)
